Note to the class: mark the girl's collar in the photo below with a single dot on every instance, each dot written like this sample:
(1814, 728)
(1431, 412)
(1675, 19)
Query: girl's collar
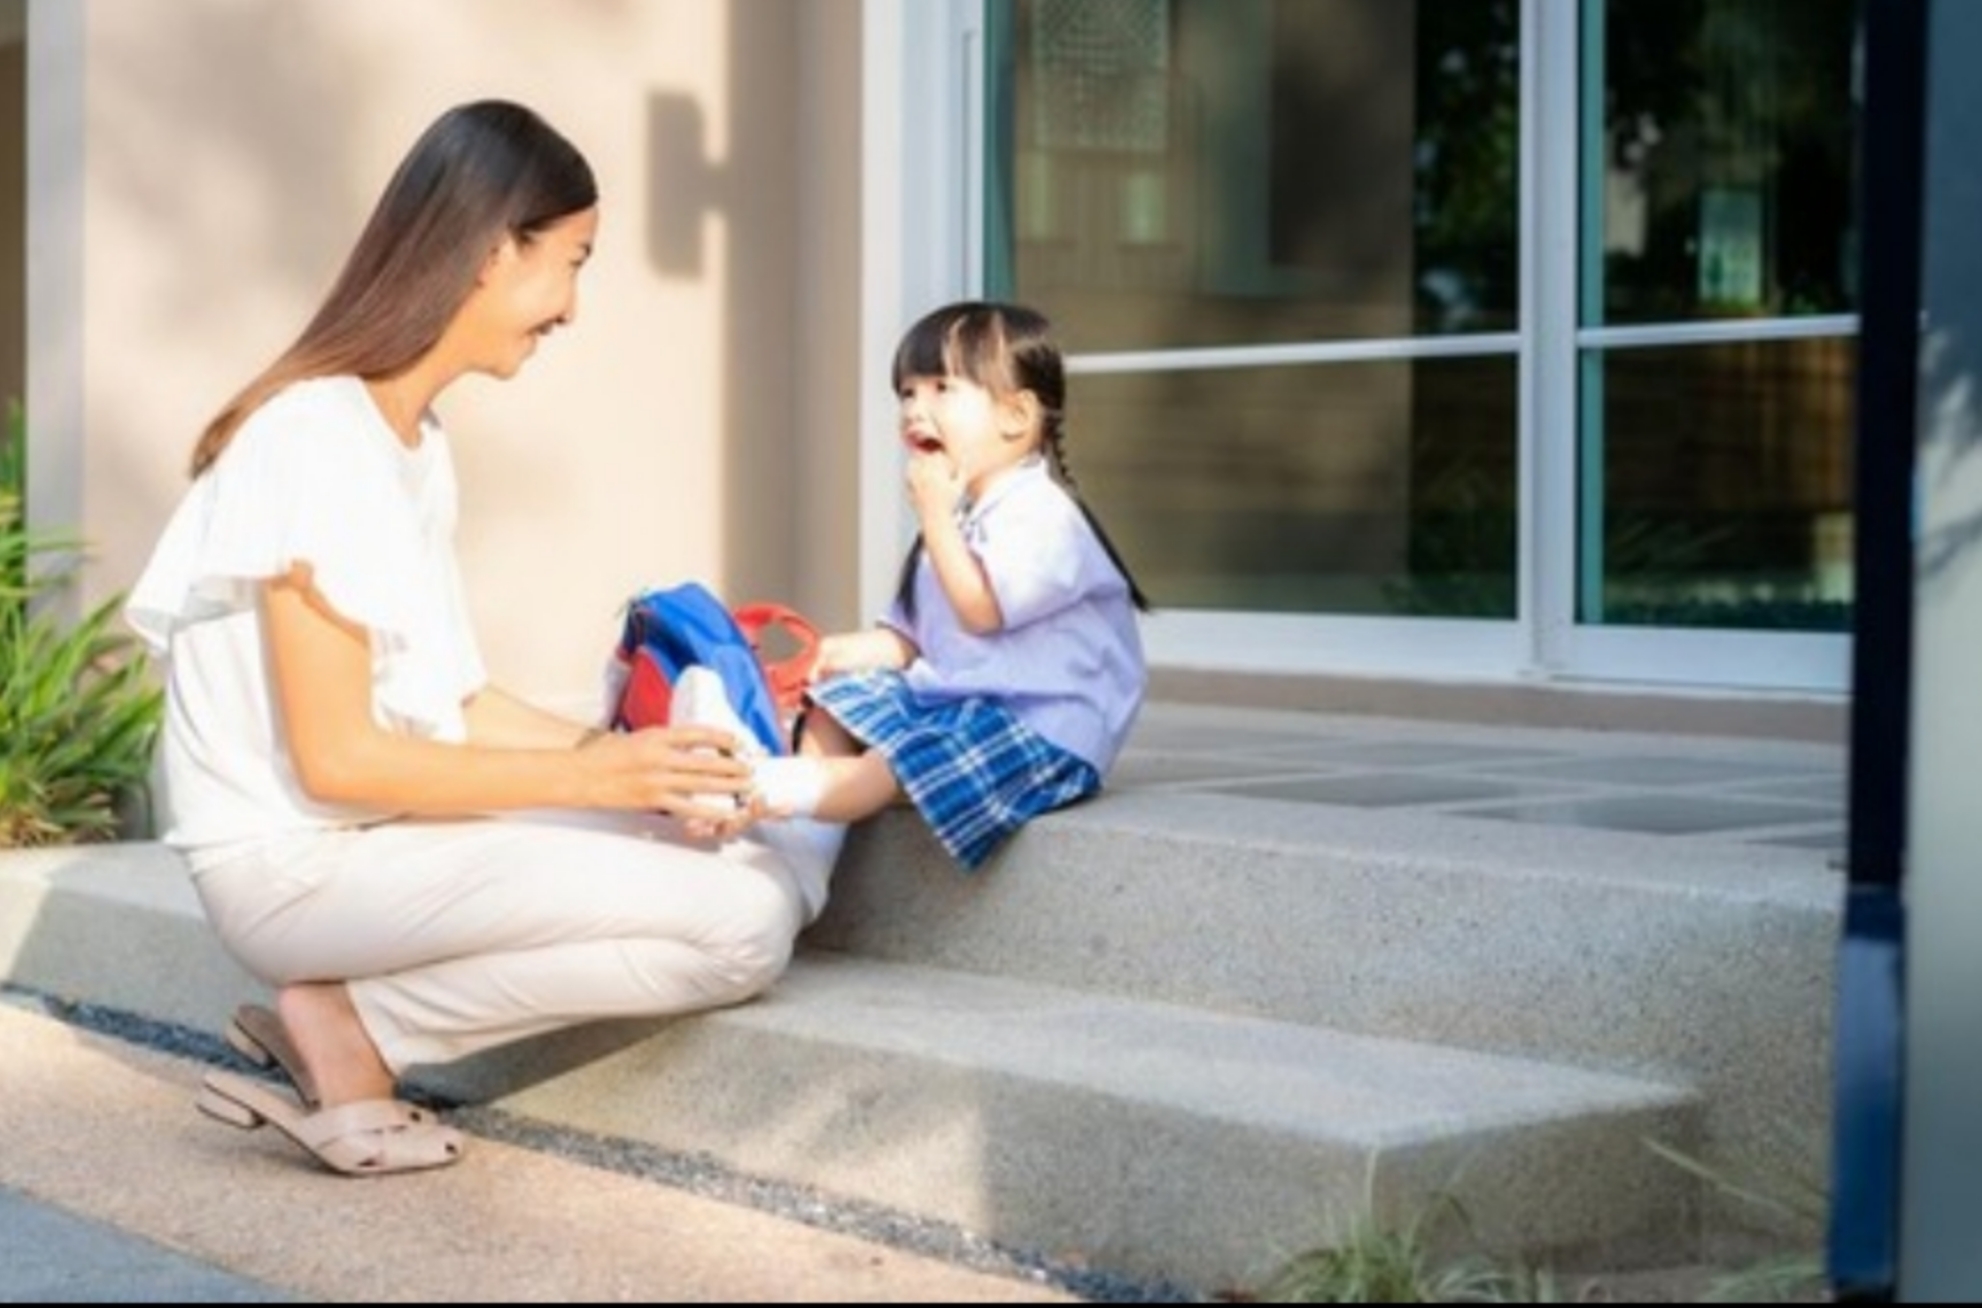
(974, 506)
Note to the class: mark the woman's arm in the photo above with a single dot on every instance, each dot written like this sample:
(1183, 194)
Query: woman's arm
(321, 667)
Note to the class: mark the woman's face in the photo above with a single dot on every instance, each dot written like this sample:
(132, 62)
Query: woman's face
(528, 288)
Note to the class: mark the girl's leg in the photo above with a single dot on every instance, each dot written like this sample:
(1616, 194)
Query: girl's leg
(831, 779)
(460, 936)
(822, 736)
(830, 787)
(853, 788)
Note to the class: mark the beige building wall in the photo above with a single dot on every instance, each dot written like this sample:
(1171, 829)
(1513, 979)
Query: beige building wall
(13, 209)
(697, 422)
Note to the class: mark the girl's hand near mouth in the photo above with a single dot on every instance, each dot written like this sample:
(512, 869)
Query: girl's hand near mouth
(935, 486)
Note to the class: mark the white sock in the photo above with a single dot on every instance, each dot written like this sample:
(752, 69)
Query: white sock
(792, 786)
(788, 786)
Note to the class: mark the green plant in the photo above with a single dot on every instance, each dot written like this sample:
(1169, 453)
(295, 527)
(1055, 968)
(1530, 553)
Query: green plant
(1800, 1206)
(1789, 1279)
(1371, 1263)
(79, 715)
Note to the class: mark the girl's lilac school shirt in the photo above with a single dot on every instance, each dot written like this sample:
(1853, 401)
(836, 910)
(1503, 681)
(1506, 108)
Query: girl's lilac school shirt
(1069, 661)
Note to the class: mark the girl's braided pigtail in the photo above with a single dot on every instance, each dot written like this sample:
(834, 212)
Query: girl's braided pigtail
(1056, 458)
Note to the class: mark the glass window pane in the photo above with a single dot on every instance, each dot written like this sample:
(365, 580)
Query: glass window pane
(1180, 173)
(1725, 486)
(1719, 163)
(1375, 489)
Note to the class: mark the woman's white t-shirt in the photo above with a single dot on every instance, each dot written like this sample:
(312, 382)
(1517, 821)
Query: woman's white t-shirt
(315, 476)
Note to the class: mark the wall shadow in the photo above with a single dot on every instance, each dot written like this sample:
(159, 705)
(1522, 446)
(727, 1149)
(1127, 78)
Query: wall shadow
(1950, 395)
(784, 200)
(749, 197)
(242, 99)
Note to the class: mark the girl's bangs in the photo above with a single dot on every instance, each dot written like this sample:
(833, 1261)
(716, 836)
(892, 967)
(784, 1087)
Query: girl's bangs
(952, 345)
(925, 351)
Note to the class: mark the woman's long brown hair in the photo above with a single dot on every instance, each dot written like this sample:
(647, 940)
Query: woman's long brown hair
(482, 172)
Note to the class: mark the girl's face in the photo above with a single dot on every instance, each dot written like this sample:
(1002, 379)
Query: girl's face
(978, 433)
(528, 288)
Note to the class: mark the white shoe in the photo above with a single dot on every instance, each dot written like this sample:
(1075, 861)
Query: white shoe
(791, 787)
(700, 699)
(809, 848)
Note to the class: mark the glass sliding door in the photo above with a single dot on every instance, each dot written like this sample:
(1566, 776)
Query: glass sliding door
(1280, 239)
(1715, 339)
(1365, 488)
(1523, 331)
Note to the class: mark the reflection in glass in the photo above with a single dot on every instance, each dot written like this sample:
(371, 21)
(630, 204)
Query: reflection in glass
(1179, 173)
(1720, 165)
(1725, 488)
(1374, 489)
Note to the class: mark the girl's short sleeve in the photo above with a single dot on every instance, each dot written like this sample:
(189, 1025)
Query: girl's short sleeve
(1032, 550)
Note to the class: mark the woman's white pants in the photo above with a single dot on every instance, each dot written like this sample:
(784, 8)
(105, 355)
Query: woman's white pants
(458, 936)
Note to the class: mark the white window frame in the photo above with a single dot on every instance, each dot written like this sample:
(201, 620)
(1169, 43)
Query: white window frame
(922, 243)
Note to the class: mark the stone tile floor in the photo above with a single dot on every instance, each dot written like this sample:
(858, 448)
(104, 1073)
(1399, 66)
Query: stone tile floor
(1692, 788)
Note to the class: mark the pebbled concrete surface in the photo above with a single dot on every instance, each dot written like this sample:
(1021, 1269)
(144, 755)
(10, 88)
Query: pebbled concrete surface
(114, 1189)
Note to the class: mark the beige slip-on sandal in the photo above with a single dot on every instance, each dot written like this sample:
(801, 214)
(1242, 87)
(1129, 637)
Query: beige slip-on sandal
(372, 1137)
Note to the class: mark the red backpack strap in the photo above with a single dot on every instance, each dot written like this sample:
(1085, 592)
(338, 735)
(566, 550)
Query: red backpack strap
(787, 675)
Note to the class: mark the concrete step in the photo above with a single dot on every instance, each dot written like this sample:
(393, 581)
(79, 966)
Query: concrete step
(1157, 1139)
(1164, 1142)
(1527, 940)
(1695, 962)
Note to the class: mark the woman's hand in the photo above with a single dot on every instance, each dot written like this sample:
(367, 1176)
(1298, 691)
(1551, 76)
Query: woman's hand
(692, 773)
(749, 811)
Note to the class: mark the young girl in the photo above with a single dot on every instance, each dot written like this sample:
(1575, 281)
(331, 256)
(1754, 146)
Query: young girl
(1005, 677)
(332, 739)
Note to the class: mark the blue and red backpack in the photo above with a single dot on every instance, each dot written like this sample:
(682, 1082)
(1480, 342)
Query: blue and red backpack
(682, 626)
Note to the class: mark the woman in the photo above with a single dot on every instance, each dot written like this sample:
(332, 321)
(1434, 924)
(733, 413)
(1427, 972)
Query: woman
(348, 788)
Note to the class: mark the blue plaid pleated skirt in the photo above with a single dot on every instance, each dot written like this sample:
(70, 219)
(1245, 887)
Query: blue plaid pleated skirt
(974, 771)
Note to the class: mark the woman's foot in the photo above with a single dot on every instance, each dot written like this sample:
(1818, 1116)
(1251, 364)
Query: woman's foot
(323, 1027)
